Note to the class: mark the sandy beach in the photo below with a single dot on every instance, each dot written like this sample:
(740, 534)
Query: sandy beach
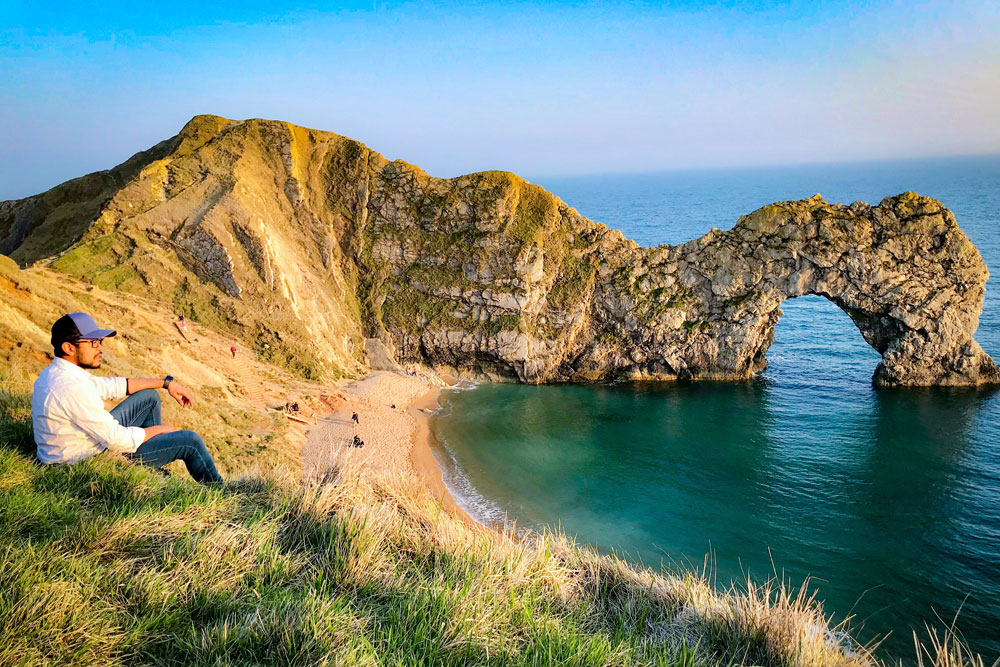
(394, 413)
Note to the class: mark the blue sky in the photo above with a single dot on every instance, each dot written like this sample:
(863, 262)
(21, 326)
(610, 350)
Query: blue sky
(541, 89)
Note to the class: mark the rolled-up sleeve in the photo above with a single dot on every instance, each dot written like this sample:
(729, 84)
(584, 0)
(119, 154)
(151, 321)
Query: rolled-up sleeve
(111, 388)
(87, 413)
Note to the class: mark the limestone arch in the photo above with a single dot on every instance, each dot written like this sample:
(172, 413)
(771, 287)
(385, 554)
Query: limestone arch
(903, 271)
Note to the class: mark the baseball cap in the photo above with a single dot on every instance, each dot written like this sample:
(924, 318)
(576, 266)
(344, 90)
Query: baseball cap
(74, 326)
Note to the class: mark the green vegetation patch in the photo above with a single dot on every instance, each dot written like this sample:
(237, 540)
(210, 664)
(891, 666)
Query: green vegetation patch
(536, 208)
(104, 562)
(575, 277)
(413, 311)
(198, 303)
(269, 346)
(661, 300)
(739, 299)
(493, 326)
(92, 259)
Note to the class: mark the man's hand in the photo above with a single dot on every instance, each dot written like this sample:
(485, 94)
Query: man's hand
(153, 431)
(180, 394)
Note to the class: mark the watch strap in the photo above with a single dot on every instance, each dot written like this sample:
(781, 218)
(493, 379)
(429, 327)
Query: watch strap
(167, 380)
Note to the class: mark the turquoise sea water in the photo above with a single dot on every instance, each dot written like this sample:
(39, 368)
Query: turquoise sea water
(889, 500)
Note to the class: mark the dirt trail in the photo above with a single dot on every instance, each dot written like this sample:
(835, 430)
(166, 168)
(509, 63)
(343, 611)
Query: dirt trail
(245, 377)
(249, 381)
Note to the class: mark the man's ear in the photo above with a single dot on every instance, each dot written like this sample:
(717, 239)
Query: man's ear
(67, 349)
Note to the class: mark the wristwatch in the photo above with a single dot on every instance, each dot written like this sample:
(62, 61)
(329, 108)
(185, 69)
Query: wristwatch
(167, 380)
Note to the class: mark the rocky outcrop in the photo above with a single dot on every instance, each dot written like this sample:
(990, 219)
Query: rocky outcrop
(312, 243)
(574, 301)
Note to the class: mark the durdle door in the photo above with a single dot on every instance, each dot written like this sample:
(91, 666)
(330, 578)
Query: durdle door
(310, 243)
(902, 271)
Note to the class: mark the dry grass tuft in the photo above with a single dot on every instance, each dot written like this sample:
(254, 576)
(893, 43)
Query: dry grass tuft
(946, 649)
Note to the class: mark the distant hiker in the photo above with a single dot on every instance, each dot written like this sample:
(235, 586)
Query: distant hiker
(182, 323)
(291, 407)
(71, 424)
(357, 442)
(233, 350)
(354, 418)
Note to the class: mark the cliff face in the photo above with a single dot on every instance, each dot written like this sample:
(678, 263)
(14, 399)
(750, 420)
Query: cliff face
(237, 224)
(307, 243)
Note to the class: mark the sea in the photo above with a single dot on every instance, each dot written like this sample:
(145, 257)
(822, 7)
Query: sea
(885, 502)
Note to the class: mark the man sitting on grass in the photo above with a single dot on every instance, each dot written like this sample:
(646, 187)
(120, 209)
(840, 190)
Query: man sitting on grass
(71, 424)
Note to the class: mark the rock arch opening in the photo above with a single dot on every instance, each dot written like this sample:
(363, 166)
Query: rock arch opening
(815, 342)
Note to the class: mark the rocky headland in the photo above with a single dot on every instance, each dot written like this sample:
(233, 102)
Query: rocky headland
(327, 258)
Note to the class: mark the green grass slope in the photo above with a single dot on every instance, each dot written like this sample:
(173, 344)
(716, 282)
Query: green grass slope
(107, 563)
(103, 562)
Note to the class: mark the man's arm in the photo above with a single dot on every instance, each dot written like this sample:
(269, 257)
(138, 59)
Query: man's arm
(138, 384)
(86, 412)
(133, 385)
(176, 390)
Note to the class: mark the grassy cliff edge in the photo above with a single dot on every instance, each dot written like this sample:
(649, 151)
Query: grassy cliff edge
(103, 562)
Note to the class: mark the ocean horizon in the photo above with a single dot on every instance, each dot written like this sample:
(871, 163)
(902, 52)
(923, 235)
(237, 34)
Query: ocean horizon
(562, 178)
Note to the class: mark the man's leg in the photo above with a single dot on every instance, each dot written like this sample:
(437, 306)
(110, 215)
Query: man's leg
(140, 409)
(188, 446)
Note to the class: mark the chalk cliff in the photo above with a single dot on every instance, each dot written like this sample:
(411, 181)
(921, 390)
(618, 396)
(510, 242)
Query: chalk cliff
(307, 243)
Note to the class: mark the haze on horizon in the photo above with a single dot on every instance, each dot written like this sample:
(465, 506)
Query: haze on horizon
(540, 89)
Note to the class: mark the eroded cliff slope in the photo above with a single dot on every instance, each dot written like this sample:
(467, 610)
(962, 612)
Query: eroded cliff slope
(307, 243)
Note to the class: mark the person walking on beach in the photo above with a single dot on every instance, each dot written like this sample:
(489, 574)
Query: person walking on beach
(71, 424)
(233, 350)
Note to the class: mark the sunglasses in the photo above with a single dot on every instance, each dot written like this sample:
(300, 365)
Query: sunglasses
(94, 342)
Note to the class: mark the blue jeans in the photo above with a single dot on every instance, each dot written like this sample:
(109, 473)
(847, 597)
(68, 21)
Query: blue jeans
(143, 409)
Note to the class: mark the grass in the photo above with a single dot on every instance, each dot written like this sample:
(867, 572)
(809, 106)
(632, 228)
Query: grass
(197, 304)
(237, 433)
(535, 208)
(103, 562)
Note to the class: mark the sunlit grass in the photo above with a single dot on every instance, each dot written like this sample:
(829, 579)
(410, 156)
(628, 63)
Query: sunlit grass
(106, 562)
(103, 562)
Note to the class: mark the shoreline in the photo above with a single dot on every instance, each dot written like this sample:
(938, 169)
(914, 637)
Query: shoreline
(425, 464)
(394, 412)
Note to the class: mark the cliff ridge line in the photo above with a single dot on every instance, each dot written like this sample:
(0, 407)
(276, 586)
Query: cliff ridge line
(306, 243)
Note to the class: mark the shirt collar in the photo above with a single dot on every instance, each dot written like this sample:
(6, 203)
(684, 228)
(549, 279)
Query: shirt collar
(68, 367)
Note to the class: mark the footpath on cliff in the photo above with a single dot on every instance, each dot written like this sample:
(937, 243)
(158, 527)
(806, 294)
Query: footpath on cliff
(238, 400)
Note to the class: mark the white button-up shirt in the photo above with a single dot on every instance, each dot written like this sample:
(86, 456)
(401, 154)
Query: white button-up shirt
(67, 411)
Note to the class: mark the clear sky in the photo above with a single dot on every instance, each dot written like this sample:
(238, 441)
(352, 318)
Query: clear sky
(540, 89)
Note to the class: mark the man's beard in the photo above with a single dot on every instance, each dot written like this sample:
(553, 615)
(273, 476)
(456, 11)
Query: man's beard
(96, 363)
